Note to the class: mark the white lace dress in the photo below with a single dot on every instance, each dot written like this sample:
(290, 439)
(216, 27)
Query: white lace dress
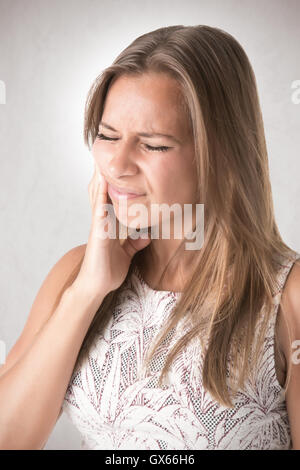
(114, 407)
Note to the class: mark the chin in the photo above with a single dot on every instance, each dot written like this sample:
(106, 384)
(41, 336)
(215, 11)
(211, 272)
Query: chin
(133, 224)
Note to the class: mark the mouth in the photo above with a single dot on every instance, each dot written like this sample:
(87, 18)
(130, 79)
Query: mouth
(119, 193)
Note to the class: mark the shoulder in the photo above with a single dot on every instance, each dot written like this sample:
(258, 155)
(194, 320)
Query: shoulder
(289, 341)
(62, 269)
(290, 298)
(45, 302)
(289, 309)
(71, 257)
(54, 282)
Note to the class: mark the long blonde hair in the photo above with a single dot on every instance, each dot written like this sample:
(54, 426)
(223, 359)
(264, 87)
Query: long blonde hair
(235, 274)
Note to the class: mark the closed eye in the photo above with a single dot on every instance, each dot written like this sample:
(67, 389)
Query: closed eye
(158, 149)
(103, 137)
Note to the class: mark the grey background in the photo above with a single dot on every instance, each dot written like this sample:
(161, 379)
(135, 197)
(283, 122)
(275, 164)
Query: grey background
(50, 53)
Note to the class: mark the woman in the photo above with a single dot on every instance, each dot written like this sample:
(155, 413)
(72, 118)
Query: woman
(168, 348)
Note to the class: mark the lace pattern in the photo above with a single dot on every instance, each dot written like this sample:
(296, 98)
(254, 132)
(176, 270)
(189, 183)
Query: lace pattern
(114, 406)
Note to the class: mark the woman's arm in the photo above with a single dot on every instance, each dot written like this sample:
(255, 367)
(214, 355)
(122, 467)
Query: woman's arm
(291, 348)
(34, 380)
(43, 305)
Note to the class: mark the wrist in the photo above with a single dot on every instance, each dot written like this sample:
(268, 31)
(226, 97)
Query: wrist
(84, 296)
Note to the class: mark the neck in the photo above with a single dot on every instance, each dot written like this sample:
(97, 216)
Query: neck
(159, 256)
(170, 255)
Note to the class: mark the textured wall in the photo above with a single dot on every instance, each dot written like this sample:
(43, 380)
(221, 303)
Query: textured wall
(50, 52)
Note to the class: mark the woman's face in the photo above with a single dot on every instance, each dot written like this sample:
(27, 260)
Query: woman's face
(152, 104)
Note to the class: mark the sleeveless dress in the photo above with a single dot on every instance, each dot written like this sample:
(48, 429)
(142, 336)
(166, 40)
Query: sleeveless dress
(115, 406)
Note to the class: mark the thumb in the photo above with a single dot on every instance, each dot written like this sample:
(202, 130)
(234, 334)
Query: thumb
(141, 243)
(132, 246)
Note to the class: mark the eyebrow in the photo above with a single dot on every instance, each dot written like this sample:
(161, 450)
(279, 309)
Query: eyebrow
(143, 134)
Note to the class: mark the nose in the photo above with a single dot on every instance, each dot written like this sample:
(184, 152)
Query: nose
(122, 162)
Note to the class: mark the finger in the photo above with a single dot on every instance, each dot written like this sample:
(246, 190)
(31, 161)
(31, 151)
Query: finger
(102, 182)
(102, 187)
(92, 185)
(132, 246)
(101, 196)
(122, 232)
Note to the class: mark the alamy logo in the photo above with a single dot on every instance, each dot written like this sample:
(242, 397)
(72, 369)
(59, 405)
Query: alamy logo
(2, 92)
(296, 354)
(141, 212)
(296, 94)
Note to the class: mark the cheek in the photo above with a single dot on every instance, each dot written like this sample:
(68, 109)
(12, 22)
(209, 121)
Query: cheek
(170, 174)
(160, 180)
(179, 179)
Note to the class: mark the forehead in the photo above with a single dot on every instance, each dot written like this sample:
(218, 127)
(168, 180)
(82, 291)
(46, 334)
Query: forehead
(148, 96)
